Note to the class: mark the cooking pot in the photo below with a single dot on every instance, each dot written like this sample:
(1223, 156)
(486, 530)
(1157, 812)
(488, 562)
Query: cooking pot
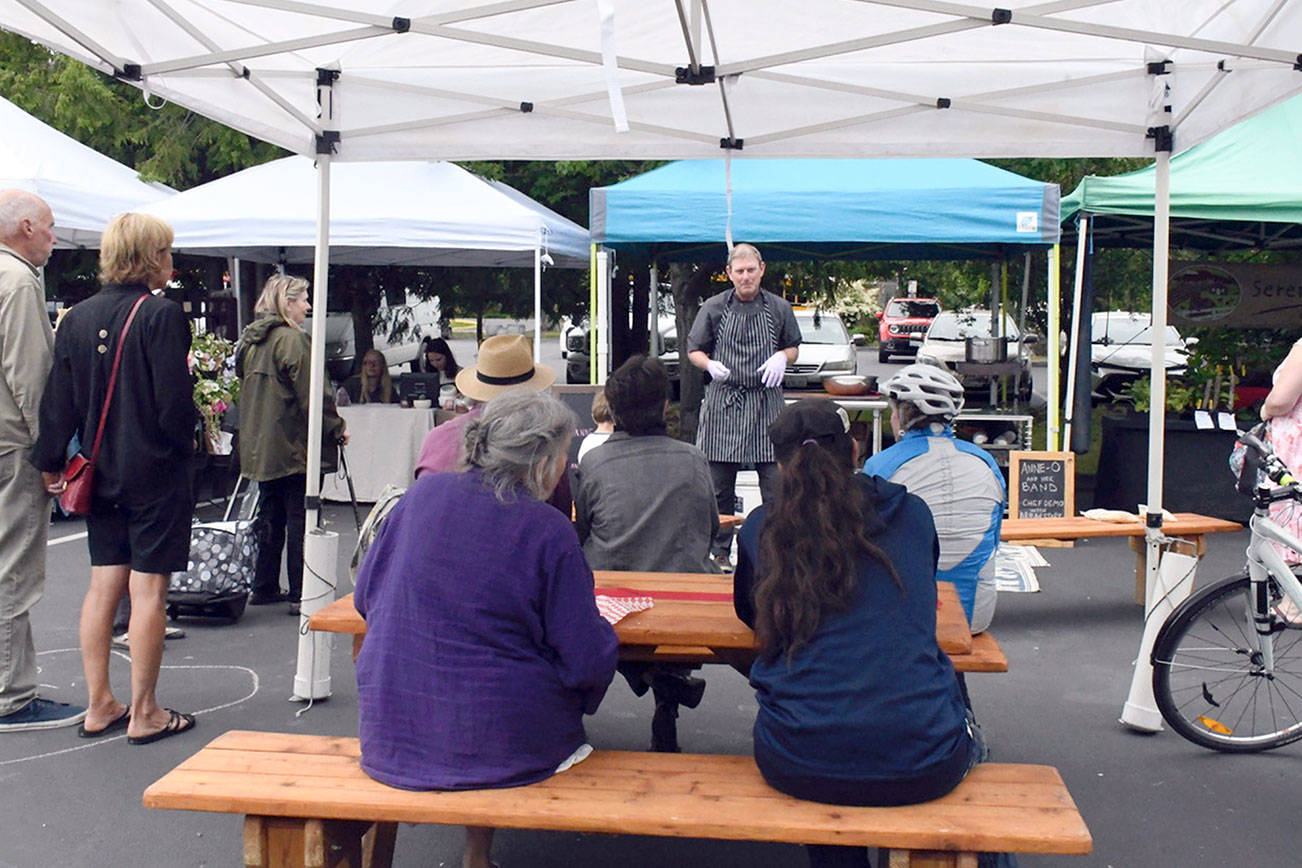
(987, 350)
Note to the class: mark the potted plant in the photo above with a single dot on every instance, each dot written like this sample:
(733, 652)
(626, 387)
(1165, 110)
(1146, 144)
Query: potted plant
(1195, 475)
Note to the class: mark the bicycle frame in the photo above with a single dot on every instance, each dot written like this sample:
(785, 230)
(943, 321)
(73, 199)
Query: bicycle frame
(1265, 562)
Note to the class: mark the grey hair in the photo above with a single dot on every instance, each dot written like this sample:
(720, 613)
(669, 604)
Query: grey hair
(749, 251)
(17, 206)
(515, 440)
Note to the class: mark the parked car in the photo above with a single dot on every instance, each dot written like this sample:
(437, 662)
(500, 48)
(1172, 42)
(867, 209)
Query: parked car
(826, 349)
(1121, 350)
(945, 345)
(899, 322)
(397, 332)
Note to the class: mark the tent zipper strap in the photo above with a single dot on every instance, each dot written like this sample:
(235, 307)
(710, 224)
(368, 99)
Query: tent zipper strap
(610, 65)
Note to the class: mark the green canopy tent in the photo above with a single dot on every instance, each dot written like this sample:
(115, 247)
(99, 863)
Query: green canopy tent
(1239, 189)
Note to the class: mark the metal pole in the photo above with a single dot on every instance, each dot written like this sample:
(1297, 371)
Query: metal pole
(600, 325)
(1054, 348)
(537, 303)
(312, 676)
(653, 342)
(1073, 343)
(1140, 710)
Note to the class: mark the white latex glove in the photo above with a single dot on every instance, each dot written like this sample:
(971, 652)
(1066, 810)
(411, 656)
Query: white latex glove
(771, 371)
(718, 371)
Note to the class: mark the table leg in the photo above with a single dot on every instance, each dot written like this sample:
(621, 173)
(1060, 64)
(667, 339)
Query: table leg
(925, 859)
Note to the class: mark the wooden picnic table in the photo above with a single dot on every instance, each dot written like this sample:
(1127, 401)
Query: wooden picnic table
(1185, 525)
(693, 621)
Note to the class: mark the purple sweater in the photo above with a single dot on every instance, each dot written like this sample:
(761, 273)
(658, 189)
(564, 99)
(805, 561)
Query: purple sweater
(484, 648)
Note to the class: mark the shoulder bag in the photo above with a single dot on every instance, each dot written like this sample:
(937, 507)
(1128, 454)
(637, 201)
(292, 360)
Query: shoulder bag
(79, 473)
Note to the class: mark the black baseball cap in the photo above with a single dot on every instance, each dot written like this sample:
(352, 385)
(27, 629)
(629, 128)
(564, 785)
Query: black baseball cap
(810, 419)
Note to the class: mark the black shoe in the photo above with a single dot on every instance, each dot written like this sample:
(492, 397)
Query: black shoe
(267, 599)
(679, 689)
(664, 728)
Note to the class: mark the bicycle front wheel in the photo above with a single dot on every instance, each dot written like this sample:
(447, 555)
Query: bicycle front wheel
(1210, 677)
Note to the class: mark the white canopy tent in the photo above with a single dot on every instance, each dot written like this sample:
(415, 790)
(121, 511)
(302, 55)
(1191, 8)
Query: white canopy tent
(381, 213)
(84, 188)
(594, 79)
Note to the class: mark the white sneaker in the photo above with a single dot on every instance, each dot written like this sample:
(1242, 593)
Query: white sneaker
(121, 640)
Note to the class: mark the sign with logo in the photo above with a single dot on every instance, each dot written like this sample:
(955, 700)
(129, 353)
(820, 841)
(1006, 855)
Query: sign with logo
(1234, 295)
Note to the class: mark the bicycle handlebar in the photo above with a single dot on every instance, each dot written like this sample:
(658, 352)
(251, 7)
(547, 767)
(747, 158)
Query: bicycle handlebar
(1272, 466)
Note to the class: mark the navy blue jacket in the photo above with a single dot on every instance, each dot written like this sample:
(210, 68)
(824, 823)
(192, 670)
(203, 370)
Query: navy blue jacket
(871, 698)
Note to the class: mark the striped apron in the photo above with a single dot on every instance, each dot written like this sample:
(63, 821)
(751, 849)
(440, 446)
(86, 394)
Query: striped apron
(736, 413)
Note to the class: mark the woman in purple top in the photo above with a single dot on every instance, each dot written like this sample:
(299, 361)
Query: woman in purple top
(484, 647)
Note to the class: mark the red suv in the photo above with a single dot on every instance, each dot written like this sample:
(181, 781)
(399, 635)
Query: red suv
(902, 319)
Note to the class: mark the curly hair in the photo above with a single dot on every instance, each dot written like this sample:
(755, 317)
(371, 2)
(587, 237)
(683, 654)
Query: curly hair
(812, 543)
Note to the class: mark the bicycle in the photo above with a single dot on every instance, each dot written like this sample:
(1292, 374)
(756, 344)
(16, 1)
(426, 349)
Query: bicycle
(1227, 664)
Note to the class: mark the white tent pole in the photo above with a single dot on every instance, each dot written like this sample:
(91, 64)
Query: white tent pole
(1157, 406)
(1053, 345)
(537, 303)
(653, 341)
(600, 322)
(1162, 592)
(1073, 343)
(320, 547)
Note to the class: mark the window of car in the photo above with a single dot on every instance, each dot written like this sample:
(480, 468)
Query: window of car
(1120, 330)
(968, 324)
(912, 308)
(821, 328)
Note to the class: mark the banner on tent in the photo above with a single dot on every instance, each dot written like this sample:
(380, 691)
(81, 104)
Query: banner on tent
(1235, 295)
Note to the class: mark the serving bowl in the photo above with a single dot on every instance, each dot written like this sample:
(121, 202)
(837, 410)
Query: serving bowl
(845, 385)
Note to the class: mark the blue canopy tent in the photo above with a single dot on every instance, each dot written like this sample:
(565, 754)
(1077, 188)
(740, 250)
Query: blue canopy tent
(821, 209)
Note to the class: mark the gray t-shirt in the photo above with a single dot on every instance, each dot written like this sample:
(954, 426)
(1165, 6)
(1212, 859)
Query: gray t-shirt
(706, 325)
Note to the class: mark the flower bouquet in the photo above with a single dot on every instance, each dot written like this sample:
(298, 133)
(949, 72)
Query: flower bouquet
(216, 387)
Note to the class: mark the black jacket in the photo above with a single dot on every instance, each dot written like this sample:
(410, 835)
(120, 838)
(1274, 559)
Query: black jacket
(149, 436)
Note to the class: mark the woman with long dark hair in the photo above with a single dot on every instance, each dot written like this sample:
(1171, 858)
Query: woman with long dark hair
(857, 703)
(436, 357)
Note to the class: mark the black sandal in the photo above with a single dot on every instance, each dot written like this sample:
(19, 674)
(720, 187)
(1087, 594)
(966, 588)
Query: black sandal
(177, 724)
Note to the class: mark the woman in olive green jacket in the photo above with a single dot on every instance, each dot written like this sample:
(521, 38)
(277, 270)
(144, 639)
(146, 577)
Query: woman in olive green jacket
(274, 362)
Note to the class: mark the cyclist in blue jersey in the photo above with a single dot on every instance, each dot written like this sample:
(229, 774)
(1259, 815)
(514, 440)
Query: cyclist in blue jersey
(959, 481)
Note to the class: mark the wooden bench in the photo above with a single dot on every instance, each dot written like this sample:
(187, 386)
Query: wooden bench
(1186, 525)
(307, 802)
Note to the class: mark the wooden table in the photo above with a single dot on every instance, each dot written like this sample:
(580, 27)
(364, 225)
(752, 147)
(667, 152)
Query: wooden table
(1186, 525)
(693, 621)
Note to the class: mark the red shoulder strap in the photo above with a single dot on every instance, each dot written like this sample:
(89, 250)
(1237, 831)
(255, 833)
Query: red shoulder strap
(113, 377)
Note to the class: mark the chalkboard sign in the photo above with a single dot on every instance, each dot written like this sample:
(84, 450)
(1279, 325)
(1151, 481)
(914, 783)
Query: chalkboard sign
(1041, 484)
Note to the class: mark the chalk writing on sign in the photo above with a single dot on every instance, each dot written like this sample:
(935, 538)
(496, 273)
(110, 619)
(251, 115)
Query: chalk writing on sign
(1041, 484)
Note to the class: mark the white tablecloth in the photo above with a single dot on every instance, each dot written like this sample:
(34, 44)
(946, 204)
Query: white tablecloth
(383, 445)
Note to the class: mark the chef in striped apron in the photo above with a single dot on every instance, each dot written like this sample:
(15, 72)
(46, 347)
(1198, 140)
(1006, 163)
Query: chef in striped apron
(744, 338)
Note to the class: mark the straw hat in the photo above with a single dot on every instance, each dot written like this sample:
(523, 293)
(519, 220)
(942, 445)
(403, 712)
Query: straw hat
(505, 362)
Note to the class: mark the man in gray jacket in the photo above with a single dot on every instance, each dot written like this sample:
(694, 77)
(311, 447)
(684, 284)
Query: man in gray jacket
(644, 501)
(26, 344)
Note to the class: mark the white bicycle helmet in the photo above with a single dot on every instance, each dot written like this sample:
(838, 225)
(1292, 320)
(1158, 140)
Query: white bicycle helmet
(933, 390)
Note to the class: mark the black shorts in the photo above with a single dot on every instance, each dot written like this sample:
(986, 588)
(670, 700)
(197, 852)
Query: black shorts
(152, 538)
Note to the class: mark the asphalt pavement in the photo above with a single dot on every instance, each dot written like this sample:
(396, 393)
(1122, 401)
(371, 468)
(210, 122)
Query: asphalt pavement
(1149, 800)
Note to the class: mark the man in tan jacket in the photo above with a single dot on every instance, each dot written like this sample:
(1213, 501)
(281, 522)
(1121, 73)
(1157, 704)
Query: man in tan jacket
(26, 344)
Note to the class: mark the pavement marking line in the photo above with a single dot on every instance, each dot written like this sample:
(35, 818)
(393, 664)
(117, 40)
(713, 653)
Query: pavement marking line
(63, 539)
(257, 683)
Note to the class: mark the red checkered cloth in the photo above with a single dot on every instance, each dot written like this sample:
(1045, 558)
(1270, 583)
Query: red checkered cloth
(615, 609)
